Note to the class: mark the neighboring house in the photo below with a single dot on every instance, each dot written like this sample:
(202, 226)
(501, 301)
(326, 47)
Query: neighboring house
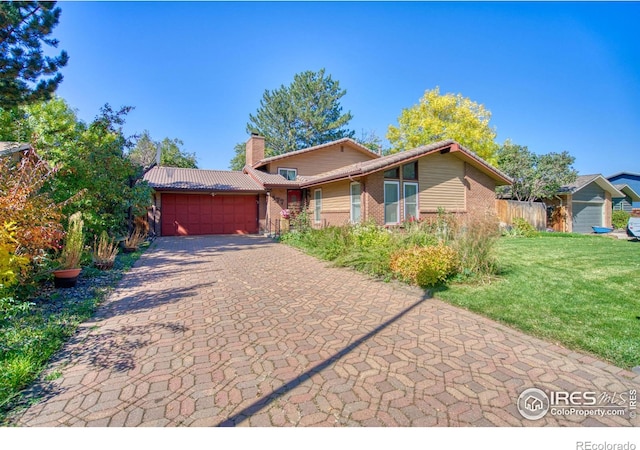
(16, 150)
(339, 182)
(584, 204)
(625, 203)
(630, 179)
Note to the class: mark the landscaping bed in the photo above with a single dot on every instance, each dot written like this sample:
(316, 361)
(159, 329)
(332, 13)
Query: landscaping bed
(30, 335)
(576, 290)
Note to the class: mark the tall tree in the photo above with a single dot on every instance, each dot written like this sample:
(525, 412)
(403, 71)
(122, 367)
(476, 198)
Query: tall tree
(171, 153)
(449, 116)
(303, 114)
(26, 74)
(240, 158)
(92, 173)
(535, 177)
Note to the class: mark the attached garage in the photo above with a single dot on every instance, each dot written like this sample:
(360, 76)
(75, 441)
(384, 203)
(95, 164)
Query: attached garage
(191, 202)
(196, 214)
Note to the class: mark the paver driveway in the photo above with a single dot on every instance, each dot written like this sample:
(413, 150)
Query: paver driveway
(243, 331)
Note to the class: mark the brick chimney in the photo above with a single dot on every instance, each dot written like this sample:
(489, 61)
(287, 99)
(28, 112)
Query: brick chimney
(255, 149)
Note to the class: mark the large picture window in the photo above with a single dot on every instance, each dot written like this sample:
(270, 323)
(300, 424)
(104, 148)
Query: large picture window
(355, 202)
(391, 202)
(411, 201)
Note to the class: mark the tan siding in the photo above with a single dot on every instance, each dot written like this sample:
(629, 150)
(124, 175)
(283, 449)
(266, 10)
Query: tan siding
(441, 183)
(335, 197)
(320, 161)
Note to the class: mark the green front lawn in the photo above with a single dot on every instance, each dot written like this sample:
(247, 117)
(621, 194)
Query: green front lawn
(579, 291)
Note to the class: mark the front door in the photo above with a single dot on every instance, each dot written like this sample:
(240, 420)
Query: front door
(294, 200)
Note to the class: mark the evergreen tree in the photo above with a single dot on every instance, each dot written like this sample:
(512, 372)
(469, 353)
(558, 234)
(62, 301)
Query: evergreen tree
(303, 114)
(26, 75)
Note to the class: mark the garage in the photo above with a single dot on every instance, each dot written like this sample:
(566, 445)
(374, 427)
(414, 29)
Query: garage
(196, 214)
(189, 202)
(587, 215)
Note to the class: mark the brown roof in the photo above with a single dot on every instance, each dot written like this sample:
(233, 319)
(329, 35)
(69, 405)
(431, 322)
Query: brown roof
(200, 180)
(350, 141)
(271, 179)
(366, 167)
(584, 180)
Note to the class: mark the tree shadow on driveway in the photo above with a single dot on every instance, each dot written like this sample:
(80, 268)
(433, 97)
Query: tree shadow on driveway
(259, 405)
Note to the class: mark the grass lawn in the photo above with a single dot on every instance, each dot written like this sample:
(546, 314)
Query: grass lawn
(579, 291)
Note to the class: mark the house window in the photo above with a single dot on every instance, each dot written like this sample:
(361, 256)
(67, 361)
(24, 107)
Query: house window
(410, 171)
(317, 205)
(392, 173)
(289, 174)
(355, 202)
(411, 201)
(391, 202)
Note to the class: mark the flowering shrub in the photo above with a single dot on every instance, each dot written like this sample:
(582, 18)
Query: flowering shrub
(285, 214)
(370, 235)
(425, 266)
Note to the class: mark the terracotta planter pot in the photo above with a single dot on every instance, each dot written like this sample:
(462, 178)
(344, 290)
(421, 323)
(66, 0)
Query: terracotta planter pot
(66, 278)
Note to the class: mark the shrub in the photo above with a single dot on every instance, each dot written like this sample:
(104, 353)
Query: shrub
(619, 219)
(425, 266)
(523, 228)
(73, 243)
(475, 245)
(137, 237)
(105, 250)
(369, 235)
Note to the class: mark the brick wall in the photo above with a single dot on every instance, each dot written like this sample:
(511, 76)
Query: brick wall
(373, 198)
(276, 202)
(481, 197)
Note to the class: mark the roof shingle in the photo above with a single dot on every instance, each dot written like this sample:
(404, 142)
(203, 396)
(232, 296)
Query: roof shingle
(200, 180)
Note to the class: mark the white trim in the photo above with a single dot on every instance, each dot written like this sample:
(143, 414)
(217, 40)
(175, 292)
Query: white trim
(404, 198)
(351, 197)
(295, 171)
(397, 184)
(317, 212)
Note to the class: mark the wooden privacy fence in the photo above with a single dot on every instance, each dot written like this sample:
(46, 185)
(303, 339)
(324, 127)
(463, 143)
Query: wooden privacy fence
(533, 212)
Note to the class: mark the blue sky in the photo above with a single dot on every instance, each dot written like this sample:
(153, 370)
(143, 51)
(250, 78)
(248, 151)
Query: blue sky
(556, 76)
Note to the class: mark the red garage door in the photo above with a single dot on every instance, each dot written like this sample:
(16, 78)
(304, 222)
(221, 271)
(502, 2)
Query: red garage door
(192, 214)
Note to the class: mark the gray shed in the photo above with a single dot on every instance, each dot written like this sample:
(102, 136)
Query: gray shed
(589, 201)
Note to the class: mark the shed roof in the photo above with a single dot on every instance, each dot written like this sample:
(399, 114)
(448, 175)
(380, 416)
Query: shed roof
(583, 181)
(9, 148)
(626, 189)
(200, 180)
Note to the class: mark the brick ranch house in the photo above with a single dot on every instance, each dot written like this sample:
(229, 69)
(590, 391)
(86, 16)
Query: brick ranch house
(339, 182)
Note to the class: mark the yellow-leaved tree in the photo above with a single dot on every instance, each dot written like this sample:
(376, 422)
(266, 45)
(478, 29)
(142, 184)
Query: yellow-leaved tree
(450, 116)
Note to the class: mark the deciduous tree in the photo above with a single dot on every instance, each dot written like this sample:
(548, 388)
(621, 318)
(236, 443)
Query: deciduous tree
(171, 153)
(535, 177)
(450, 116)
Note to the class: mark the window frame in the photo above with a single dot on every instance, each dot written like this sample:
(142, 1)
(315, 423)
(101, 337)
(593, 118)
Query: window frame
(351, 203)
(404, 199)
(415, 165)
(317, 205)
(288, 169)
(397, 185)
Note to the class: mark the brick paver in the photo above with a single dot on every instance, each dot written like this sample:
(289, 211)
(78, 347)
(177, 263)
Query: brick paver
(231, 330)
